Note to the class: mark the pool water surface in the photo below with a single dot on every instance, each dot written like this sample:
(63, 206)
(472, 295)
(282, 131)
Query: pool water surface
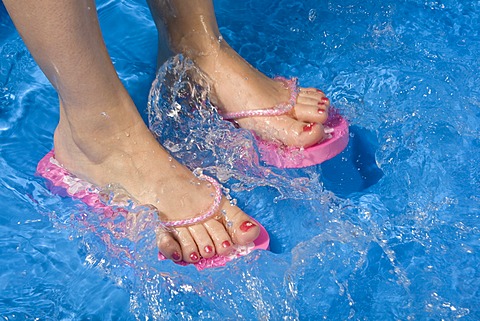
(387, 230)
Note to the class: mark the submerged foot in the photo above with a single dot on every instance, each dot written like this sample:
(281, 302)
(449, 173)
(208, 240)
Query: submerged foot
(238, 87)
(118, 148)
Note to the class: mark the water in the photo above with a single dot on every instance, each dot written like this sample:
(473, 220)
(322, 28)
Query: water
(388, 230)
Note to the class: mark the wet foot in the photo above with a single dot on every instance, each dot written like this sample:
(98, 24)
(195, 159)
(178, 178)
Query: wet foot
(238, 86)
(117, 147)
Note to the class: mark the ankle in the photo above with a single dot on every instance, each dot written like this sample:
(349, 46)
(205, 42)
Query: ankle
(95, 135)
(196, 45)
(71, 144)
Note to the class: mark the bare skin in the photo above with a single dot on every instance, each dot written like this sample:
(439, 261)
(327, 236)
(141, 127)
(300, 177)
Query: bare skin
(191, 29)
(102, 138)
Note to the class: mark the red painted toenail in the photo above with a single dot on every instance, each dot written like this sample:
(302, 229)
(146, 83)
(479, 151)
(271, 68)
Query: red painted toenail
(246, 226)
(321, 111)
(308, 127)
(319, 91)
(208, 249)
(321, 103)
(226, 244)
(194, 256)
(176, 256)
(324, 99)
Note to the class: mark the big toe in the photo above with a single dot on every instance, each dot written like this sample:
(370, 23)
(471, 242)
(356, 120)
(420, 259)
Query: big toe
(211, 237)
(293, 132)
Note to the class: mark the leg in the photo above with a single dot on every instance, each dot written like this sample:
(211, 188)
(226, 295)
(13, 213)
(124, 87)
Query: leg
(192, 30)
(101, 136)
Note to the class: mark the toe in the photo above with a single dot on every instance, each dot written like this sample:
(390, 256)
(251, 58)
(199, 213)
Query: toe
(290, 131)
(220, 237)
(311, 111)
(302, 134)
(243, 230)
(168, 246)
(190, 251)
(312, 106)
(202, 239)
(308, 134)
(312, 92)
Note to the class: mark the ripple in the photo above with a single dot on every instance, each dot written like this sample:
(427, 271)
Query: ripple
(397, 244)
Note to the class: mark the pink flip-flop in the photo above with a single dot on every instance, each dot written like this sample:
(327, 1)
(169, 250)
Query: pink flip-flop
(60, 181)
(261, 243)
(282, 156)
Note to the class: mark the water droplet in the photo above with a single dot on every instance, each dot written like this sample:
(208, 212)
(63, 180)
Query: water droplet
(312, 15)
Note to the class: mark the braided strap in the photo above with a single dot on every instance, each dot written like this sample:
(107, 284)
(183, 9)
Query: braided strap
(210, 212)
(277, 110)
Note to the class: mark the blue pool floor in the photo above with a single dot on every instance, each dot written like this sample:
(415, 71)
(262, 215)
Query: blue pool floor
(388, 230)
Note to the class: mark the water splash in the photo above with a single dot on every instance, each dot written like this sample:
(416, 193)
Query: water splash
(186, 122)
(334, 258)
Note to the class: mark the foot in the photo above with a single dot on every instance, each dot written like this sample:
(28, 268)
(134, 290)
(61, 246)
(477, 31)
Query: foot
(238, 86)
(117, 147)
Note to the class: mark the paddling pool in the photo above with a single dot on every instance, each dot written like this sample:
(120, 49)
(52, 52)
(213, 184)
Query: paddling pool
(387, 230)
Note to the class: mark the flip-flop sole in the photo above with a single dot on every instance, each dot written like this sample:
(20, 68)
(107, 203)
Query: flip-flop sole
(261, 243)
(61, 182)
(282, 156)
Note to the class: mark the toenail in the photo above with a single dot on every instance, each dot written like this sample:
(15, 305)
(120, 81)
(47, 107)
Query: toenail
(246, 226)
(308, 127)
(324, 99)
(194, 256)
(226, 244)
(319, 91)
(176, 256)
(320, 110)
(208, 249)
(321, 103)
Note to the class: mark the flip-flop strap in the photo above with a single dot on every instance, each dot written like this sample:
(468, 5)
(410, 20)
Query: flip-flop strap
(277, 110)
(52, 170)
(210, 212)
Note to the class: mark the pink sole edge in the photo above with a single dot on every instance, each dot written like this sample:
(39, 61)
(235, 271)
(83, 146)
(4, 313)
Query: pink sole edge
(61, 182)
(282, 156)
